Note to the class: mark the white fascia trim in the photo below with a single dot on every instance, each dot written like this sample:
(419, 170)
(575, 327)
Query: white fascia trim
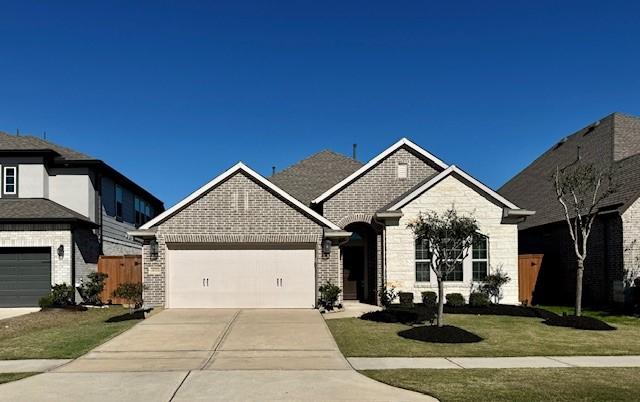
(452, 169)
(375, 161)
(237, 167)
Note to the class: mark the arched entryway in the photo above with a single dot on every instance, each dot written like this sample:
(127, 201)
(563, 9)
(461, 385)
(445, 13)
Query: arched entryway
(359, 262)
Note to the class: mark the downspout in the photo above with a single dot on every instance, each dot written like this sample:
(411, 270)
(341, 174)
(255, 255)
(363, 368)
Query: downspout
(605, 251)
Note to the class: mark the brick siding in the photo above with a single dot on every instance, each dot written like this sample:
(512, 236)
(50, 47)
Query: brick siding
(236, 208)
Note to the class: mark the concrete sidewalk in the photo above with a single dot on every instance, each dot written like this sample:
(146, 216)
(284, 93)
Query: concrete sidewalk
(384, 363)
(31, 365)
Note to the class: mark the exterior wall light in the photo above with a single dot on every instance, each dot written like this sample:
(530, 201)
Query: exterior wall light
(153, 249)
(326, 248)
(61, 251)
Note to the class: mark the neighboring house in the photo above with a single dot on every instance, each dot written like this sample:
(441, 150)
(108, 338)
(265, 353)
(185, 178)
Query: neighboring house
(613, 250)
(243, 240)
(59, 211)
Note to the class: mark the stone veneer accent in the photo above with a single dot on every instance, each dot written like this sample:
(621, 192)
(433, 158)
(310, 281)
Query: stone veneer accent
(503, 240)
(237, 210)
(361, 199)
(34, 235)
(631, 242)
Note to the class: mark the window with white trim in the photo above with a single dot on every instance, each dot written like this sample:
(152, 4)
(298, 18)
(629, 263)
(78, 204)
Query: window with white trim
(423, 260)
(457, 275)
(10, 180)
(480, 257)
(403, 170)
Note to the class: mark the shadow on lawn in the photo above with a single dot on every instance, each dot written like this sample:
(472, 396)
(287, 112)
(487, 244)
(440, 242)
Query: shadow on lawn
(137, 315)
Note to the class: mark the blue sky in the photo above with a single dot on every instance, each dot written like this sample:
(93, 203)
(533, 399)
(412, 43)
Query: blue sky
(172, 93)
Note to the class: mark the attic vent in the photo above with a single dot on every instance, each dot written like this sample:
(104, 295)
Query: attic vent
(560, 143)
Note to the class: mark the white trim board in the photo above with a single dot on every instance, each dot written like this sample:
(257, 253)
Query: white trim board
(437, 178)
(234, 169)
(374, 162)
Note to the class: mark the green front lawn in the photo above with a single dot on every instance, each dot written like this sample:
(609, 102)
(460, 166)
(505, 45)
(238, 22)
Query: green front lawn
(514, 385)
(503, 336)
(59, 334)
(8, 377)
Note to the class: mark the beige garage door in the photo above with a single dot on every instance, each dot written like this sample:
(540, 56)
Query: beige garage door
(241, 278)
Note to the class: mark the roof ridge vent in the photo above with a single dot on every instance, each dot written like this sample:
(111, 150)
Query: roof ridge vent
(560, 143)
(590, 128)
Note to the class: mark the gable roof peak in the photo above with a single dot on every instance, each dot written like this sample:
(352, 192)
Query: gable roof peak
(377, 159)
(240, 166)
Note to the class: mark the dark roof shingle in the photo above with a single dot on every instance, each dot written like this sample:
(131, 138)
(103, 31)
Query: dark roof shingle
(598, 143)
(314, 175)
(37, 209)
(10, 142)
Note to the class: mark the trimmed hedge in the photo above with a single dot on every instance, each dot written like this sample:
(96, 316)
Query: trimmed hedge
(478, 299)
(429, 298)
(455, 299)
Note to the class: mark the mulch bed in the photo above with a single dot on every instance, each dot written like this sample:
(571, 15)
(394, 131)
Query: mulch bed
(582, 322)
(391, 316)
(444, 334)
(501, 309)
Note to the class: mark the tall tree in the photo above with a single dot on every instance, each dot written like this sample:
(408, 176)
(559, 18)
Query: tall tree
(449, 237)
(581, 189)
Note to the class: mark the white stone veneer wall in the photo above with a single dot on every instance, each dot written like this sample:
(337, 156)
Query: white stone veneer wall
(631, 241)
(60, 267)
(503, 240)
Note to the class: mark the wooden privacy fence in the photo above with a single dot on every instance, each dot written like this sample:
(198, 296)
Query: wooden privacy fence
(528, 270)
(121, 269)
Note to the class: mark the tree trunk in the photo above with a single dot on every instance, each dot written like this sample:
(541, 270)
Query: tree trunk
(579, 275)
(440, 302)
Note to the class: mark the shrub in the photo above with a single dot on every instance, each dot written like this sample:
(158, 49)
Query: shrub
(91, 289)
(455, 299)
(329, 295)
(62, 295)
(406, 299)
(387, 296)
(131, 292)
(479, 299)
(45, 302)
(492, 284)
(430, 298)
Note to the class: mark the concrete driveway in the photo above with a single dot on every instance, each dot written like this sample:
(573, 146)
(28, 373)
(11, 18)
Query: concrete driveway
(212, 355)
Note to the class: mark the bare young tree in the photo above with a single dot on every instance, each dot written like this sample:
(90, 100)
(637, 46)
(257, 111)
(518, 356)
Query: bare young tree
(581, 189)
(449, 237)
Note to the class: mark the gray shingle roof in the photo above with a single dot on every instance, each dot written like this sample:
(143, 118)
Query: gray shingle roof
(611, 143)
(37, 209)
(10, 142)
(314, 175)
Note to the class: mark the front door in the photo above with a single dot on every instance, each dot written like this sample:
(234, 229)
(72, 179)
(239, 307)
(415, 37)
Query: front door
(353, 273)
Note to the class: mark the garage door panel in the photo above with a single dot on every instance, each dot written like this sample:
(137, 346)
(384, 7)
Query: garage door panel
(25, 276)
(242, 278)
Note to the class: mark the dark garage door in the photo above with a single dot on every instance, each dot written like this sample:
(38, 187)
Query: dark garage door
(25, 276)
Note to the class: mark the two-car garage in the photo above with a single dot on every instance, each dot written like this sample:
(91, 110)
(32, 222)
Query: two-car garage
(268, 276)
(238, 242)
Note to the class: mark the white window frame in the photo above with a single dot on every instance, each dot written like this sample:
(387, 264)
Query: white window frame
(421, 260)
(406, 165)
(15, 180)
(486, 238)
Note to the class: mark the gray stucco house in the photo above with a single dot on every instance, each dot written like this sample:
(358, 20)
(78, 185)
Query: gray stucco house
(612, 143)
(243, 240)
(60, 210)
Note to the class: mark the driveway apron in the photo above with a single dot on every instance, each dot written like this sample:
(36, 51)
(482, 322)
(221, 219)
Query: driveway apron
(212, 355)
